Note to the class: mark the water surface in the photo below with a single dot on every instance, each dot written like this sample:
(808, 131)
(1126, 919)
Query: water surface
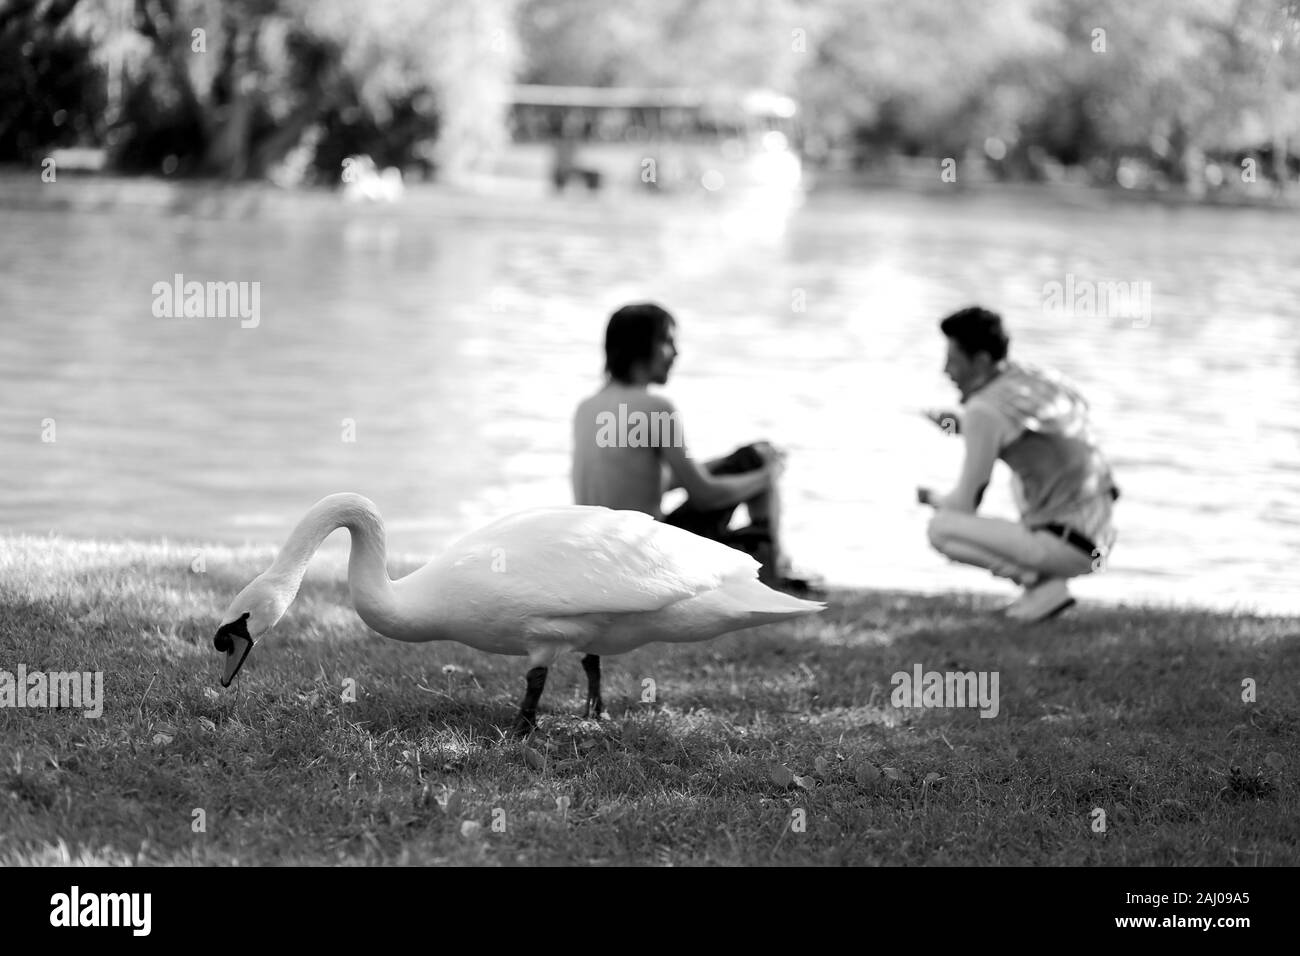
(457, 347)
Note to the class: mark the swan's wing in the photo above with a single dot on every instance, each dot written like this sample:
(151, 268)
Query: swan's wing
(583, 560)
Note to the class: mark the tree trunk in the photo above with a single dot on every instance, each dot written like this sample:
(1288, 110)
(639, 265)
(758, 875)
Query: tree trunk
(268, 152)
(228, 151)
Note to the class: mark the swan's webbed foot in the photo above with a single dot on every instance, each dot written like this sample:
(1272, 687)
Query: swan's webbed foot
(526, 722)
(595, 709)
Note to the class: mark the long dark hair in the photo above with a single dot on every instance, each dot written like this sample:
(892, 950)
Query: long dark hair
(631, 337)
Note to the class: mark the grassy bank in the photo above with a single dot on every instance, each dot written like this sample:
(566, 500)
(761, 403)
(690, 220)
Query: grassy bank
(1136, 711)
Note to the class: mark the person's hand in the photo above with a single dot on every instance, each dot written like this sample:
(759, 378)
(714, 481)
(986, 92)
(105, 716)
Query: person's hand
(946, 419)
(769, 452)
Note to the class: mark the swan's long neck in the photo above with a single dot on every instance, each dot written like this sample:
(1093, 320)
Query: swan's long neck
(372, 590)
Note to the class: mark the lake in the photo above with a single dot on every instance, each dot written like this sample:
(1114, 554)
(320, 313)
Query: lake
(429, 357)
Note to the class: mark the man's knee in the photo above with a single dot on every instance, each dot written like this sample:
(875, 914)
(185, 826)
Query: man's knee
(940, 531)
(744, 459)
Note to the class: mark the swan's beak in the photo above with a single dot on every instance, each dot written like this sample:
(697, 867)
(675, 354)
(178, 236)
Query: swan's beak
(233, 639)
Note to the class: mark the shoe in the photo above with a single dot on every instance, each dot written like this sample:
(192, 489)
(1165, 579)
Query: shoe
(1044, 600)
(1030, 578)
(1014, 603)
(1027, 583)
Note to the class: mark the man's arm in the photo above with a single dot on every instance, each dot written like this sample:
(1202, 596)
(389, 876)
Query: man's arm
(708, 492)
(671, 481)
(982, 446)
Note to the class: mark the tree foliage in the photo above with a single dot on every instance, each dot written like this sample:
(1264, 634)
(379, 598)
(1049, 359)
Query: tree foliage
(1077, 81)
(229, 87)
(1071, 81)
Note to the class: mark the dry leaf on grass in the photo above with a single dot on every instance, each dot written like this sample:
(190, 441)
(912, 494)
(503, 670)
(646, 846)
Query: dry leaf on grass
(867, 775)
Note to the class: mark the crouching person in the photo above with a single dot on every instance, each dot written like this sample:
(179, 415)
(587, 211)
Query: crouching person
(1037, 423)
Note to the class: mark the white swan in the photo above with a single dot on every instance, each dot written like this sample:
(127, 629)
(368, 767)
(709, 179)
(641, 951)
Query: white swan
(533, 584)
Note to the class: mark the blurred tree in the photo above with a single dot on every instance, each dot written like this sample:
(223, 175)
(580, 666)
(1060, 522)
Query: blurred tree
(704, 44)
(229, 87)
(1039, 82)
(927, 75)
(50, 92)
(1077, 81)
(446, 65)
(1178, 78)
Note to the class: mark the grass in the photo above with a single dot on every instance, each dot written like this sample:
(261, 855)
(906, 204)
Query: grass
(1136, 711)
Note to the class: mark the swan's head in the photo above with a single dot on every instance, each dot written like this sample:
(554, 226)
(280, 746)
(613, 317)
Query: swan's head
(253, 612)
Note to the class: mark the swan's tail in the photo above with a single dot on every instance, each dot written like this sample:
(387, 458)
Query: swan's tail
(739, 603)
(765, 605)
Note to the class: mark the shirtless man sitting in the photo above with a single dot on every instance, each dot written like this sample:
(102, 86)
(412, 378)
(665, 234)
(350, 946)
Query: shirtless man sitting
(629, 448)
(1037, 423)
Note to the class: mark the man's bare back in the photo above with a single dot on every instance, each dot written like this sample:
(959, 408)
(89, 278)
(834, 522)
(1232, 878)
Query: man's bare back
(618, 435)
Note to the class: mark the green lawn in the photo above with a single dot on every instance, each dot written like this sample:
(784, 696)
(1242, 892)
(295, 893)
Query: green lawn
(1136, 711)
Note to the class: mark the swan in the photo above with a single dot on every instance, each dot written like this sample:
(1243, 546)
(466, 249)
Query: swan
(533, 584)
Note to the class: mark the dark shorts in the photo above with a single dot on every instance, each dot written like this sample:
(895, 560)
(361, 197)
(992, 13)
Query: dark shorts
(714, 524)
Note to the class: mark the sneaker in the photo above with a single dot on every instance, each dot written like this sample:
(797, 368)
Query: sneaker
(1008, 606)
(1027, 582)
(1044, 600)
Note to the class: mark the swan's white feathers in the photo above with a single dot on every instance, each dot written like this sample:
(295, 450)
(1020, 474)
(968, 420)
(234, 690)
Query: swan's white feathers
(558, 562)
(542, 581)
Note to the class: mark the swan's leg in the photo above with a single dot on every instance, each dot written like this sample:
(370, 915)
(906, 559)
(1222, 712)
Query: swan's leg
(526, 722)
(591, 664)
